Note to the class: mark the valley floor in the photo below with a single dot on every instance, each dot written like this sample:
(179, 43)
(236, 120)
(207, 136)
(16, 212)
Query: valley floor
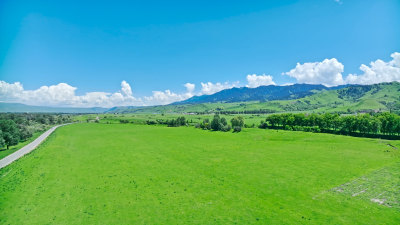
(138, 174)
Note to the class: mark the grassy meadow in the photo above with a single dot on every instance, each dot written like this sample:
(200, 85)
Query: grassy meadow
(102, 173)
(192, 119)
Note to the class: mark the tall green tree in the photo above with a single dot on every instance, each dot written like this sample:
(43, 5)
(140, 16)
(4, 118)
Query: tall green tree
(2, 142)
(237, 121)
(216, 123)
(10, 132)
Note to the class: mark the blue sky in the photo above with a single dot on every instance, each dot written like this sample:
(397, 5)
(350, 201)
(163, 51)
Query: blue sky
(160, 45)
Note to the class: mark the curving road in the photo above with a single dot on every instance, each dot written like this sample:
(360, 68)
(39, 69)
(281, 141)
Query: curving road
(27, 148)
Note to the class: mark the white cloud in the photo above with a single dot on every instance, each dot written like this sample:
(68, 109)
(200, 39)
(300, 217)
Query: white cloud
(126, 88)
(167, 96)
(261, 80)
(10, 92)
(328, 72)
(63, 94)
(190, 87)
(163, 97)
(211, 88)
(378, 72)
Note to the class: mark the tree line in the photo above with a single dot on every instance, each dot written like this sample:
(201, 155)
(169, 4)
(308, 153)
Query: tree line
(378, 124)
(221, 124)
(367, 124)
(180, 121)
(17, 127)
(255, 111)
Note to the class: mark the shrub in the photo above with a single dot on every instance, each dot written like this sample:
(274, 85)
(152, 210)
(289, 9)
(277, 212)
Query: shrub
(298, 128)
(25, 132)
(316, 130)
(237, 129)
(151, 122)
(307, 129)
(124, 121)
(226, 128)
(287, 127)
(263, 125)
(216, 123)
(237, 121)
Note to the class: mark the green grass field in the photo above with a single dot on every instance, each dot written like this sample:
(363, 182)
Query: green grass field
(136, 174)
(250, 119)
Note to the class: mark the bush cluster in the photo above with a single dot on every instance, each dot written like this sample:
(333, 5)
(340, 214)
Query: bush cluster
(16, 127)
(221, 124)
(180, 121)
(382, 123)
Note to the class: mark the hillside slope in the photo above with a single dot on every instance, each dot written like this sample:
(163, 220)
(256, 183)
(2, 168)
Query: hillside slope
(262, 93)
(355, 98)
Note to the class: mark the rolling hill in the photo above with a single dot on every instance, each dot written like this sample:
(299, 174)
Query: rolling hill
(344, 99)
(264, 99)
(262, 93)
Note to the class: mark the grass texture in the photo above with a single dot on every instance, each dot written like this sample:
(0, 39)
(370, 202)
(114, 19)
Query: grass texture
(136, 174)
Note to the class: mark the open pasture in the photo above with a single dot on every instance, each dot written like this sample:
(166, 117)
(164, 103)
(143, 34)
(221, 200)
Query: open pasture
(192, 119)
(134, 174)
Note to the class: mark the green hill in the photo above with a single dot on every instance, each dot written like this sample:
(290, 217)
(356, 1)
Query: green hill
(261, 93)
(306, 98)
(355, 98)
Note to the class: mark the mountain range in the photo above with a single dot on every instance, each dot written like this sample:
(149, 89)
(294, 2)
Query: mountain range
(18, 107)
(262, 93)
(263, 99)
(293, 98)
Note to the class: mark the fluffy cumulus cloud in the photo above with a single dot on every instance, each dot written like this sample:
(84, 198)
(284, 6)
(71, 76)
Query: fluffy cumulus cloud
(328, 72)
(190, 87)
(211, 88)
(259, 80)
(167, 96)
(126, 89)
(10, 92)
(378, 71)
(63, 94)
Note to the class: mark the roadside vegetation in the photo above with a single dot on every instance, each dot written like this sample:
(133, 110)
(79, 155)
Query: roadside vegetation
(19, 127)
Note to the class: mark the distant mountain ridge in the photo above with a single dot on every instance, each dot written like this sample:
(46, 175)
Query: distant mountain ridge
(261, 93)
(317, 98)
(264, 99)
(18, 107)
